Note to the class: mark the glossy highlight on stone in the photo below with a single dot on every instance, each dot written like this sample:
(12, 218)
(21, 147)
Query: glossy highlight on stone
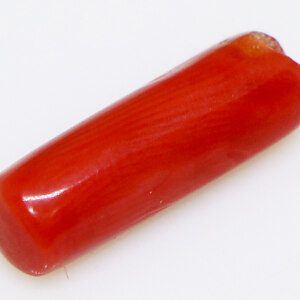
(146, 151)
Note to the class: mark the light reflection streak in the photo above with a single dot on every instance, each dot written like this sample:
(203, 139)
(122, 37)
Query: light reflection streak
(45, 196)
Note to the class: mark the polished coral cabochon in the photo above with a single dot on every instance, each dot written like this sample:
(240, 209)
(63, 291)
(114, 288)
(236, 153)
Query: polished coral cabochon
(146, 151)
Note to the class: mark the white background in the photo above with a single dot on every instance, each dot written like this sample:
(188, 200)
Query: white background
(237, 238)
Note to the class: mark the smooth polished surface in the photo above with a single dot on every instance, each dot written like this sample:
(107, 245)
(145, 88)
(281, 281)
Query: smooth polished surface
(148, 150)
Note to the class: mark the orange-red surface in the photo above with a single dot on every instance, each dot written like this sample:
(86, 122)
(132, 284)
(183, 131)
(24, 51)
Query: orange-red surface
(146, 151)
